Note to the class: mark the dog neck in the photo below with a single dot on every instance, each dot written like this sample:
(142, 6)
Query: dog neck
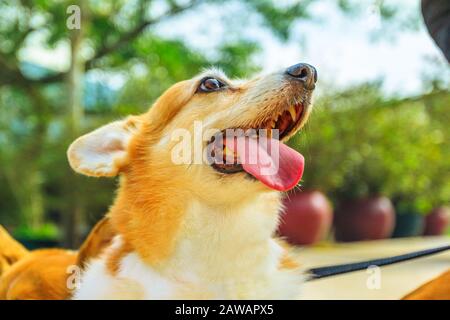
(168, 231)
(220, 252)
(226, 240)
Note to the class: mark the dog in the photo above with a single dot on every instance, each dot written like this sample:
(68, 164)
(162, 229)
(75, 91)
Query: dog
(10, 251)
(185, 230)
(33, 279)
(46, 274)
(199, 230)
(436, 289)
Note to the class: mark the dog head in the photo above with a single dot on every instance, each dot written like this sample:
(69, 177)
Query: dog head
(164, 155)
(173, 143)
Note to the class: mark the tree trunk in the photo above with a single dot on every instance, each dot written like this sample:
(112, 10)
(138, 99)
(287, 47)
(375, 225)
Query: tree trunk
(75, 206)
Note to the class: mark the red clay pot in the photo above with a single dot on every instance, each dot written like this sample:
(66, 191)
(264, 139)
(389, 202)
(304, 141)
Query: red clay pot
(365, 219)
(437, 221)
(307, 217)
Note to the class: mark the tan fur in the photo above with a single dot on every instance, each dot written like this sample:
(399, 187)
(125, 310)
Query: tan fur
(10, 251)
(43, 274)
(98, 239)
(116, 256)
(436, 289)
(163, 209)
(287, 261)
(145, 212)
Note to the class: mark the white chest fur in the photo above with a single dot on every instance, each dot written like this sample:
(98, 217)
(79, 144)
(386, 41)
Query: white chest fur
(222, 253)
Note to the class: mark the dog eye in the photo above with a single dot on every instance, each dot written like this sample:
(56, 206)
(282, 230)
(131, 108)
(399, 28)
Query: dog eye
(210, 84)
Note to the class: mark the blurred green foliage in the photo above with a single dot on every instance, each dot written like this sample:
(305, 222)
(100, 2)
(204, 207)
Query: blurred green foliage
(46, 231)
(358, 143)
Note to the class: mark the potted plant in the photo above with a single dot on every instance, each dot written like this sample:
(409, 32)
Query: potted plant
(363, 212)
(437, 221)
(410, 220)
(361, 148)
(368, 218)
(307, 217)
(45, 236)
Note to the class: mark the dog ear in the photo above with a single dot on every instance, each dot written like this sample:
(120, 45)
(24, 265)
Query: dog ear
(103, 152)
(100, 237)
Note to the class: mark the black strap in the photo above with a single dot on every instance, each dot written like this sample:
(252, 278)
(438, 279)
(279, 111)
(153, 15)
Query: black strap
(323, 272)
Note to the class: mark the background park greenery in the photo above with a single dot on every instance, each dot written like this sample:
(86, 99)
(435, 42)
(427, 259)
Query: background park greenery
(359, 142)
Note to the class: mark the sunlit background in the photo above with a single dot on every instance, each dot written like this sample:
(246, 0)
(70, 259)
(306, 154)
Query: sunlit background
(379, 130)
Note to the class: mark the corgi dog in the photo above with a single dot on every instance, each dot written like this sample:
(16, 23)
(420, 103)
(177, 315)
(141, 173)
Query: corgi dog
(187, 228)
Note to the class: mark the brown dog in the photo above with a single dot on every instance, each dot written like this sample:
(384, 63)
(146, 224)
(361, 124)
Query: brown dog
(165, 216)
(26, 275)
(184, 229)
(46, 274)
(10, 251)
(192, 228)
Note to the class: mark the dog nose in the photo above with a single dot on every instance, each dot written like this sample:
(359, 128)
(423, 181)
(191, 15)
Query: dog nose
(305, 73)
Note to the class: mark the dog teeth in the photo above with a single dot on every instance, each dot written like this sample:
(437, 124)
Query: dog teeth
(227, 151)
(293, 113)
(278, 116)
(270, 125)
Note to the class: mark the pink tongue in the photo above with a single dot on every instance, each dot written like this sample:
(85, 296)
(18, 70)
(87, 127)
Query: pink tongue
(273, 163)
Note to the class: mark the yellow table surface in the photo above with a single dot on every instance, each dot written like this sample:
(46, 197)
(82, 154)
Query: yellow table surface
(395, 280)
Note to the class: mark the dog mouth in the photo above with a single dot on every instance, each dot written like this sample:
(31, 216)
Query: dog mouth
(286, 122)
(283, 124)
(232, 148)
